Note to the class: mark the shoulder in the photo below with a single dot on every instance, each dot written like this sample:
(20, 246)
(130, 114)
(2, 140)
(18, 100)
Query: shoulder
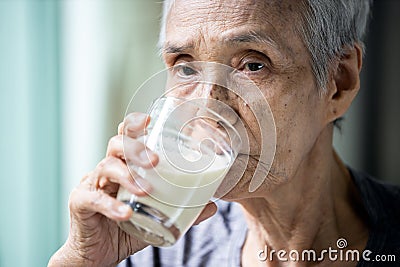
(381, 201)
(215, 241)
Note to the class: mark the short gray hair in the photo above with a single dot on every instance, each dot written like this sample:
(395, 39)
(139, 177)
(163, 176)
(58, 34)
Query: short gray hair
(327, 28)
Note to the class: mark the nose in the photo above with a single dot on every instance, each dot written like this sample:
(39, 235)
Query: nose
(218, 99)
(211, 89)
(222, 101)
(209, 85)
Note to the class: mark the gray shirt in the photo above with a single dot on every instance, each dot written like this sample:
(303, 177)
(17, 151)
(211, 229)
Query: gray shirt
(218, 241)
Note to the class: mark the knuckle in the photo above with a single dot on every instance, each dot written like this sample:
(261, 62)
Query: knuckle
(88, 179)
(131, 117)
(117, 168)
(85, 178)
(124, 174)
(132, 151)
(99, 202)
(94, 202)
(114, 141)
(106, 166)
(108, 163)
(134, 119)
(74, 199)
(101, 164)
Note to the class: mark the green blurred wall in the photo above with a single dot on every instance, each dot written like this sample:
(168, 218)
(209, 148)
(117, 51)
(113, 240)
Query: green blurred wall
(29, 140)
(34, 195)
(35, 171)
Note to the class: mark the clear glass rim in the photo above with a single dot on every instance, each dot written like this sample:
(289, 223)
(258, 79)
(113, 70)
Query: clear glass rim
(225, 121)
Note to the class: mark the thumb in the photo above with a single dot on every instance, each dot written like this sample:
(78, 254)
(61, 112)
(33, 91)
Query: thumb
(209, 210)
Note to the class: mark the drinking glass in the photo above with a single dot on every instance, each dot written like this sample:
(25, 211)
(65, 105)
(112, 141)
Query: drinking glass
(196, 147)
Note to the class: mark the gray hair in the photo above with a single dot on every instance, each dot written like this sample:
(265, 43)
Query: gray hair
(328, 28)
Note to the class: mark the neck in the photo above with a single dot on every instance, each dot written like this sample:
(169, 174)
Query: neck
(312, 210)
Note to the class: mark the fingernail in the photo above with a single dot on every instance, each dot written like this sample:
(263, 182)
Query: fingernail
(123, 209)
(144, 185)
(139, 120)
(142, 117)
(147, 155)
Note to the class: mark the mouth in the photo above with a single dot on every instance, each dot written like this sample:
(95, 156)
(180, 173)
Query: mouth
(253, 162)
(254, 157)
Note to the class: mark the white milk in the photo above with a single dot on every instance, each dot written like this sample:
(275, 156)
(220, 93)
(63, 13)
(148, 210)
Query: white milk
(178, 194)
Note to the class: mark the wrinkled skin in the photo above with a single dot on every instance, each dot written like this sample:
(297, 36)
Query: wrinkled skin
(285, 80)
(95, 238)
(307, 200)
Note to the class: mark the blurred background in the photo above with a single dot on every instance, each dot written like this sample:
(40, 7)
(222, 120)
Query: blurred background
(67, 72)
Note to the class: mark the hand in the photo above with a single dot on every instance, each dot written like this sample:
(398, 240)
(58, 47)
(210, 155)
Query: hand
(95, 238)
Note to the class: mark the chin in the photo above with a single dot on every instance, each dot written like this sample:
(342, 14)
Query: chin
(240, 189)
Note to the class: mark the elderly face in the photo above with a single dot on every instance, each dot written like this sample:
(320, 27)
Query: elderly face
(257, 38)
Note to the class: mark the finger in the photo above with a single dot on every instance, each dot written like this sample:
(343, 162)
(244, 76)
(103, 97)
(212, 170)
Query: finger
(114, 170)
(85, 203)
(134, 125)
(132, 151)
(209, 210)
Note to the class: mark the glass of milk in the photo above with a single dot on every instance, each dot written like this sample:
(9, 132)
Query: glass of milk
(196, 147)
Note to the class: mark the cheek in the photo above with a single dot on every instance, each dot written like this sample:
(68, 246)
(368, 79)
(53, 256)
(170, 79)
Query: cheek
(259, 122)
(298, 127)
(296, 107)
(251, 122)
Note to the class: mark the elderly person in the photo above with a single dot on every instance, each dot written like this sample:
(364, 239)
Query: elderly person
(306, 57)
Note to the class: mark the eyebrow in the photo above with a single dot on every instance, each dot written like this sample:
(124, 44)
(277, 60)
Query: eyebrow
(252, 37)
(175, 49)
(248, 37)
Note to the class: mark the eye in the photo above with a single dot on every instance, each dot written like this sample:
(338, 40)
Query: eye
(253, 66)
(187, 71)
(184, 70)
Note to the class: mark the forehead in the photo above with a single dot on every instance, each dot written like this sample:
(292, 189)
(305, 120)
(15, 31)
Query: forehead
(219, 19)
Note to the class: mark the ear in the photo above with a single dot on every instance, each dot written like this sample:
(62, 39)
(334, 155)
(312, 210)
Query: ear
(345, 82)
